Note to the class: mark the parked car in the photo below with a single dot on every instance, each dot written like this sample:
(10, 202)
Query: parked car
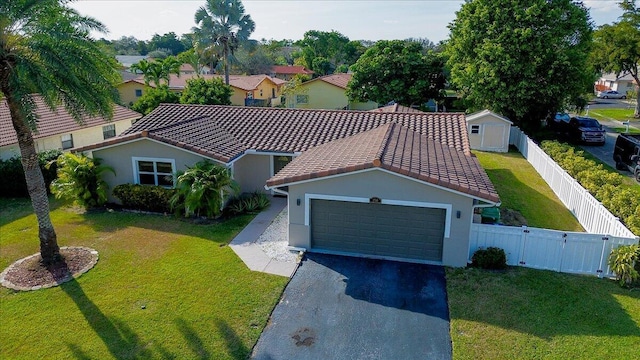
(626, 154)
(586, 130)
(558, 121)
(610, 94)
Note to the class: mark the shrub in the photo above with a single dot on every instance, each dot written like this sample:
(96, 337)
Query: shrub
(490, 258)
(144, 197)
(80, 179)
(623, 261)
(248, 203)
(13, 182)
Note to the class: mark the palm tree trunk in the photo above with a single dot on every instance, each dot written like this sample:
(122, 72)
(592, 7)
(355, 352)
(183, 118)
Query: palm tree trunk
(49, 249)
(226, 62)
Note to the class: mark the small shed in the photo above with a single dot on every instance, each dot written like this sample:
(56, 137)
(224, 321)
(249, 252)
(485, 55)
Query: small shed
(488, 131)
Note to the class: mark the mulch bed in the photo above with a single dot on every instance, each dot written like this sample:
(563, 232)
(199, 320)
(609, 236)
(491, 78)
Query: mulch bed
(30, 274)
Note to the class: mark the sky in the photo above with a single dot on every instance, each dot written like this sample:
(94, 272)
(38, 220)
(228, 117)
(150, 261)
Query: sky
(290, 19)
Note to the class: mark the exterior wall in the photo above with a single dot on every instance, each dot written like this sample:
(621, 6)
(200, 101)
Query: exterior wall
(265, 90)
(128, 92)
(387, 187)
(492, 131)
(238, 96)
(252, 171)
(120, 159)
(323, 95)
(81, 137)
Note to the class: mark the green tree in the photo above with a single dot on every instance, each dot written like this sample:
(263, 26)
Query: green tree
(221, 26)
(523, 59)
(154, 71)
(397, 71)
(617, 46)
(45, 48)
(331, 48)
(153, 97)
(167, 41)
(192, 58)
(203, 189)
(206, 92)
(80, 179)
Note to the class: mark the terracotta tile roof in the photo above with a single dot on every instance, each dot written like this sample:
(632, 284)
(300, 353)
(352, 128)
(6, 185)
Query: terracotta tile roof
(54, 123)
(243, 82)
(290, 70)
(339, 80)
(395, 148)
(396, 108)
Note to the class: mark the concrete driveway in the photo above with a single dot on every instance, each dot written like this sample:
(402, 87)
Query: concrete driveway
(338, 307)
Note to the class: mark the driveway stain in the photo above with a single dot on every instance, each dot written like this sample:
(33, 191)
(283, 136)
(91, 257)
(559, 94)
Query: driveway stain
(304, 337)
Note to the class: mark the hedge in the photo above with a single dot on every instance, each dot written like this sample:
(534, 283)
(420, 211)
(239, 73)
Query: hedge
(13, 183)
(604, 185)
(144, 197)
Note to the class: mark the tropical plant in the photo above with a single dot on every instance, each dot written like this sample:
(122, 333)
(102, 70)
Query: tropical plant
(80, 180)
(206, 92)
(192, 58)
(203, 189)
(153, 97)
(621, 261)
(221, 26)
(45, 48)
(155, 71)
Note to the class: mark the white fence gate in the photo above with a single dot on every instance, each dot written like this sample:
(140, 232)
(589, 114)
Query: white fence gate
(570, 252)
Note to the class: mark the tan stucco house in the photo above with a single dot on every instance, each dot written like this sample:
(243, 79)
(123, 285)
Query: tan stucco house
(398, 186)
(58, 130)
(488, 131)
(326, 92)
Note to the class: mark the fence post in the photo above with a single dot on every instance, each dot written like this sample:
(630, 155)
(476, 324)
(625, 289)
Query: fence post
(523, 244)
(604, 244)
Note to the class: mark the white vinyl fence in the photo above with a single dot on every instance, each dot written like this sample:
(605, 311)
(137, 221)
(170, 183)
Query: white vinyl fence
(591, 214)
(570, 252)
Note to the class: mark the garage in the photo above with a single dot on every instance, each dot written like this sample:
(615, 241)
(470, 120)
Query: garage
(375, 229)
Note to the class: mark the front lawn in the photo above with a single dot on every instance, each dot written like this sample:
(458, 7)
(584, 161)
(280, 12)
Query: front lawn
(521, 188)
(163, 288)
(613, 114)
(532, 314)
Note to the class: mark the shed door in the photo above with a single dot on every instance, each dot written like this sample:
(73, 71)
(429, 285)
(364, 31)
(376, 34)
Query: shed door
(377, 229)
(493, 136)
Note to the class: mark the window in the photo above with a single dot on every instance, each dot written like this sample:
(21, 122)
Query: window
(138, 92)
(152, 171)
(302, 99)
(109, 131)
(250, 95)
(67, 141)
(475, 129)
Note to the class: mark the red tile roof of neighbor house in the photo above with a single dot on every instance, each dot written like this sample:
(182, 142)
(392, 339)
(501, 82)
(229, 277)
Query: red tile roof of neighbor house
(243, 82)
(397, 108)
(395, 148)
(339, 80)
(56, 122)
(290, 70)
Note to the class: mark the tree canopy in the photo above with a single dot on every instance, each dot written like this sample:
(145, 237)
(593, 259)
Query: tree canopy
(221, 27)
(617, 46)
(206, 92)
(523, 59)
(153, 97)
(399, 71)
(323, 51)
(45, 49)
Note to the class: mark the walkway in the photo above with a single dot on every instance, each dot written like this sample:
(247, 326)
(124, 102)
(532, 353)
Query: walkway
(245, 246)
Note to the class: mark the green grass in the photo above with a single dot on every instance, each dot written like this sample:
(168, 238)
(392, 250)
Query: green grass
(532, 314)
(613, 114)
(521, 188)
(201, 301)
(622, 130)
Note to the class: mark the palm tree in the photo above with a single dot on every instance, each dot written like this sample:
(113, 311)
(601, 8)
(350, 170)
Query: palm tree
(80, 180)
(45, 49)
(224, 25)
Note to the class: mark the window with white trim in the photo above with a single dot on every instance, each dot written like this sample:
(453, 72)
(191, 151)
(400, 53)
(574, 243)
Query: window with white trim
(475, 129)
(109, 131)
(154, 171)
(67, 141)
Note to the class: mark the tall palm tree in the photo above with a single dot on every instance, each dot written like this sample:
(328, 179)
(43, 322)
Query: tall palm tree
(45, 49)
(222, 24)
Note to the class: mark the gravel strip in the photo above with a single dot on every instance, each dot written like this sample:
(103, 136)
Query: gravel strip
(273, 240)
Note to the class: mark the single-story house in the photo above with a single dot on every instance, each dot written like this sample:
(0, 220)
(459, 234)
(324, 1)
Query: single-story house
(395, 107)
(287, 72)
(618, 82)
(187, 69)
(488, 131)
(248, 90)
(390, 185)
(326, 92)
(58, 129)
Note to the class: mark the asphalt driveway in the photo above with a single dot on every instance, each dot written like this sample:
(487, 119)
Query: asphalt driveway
(338, 307)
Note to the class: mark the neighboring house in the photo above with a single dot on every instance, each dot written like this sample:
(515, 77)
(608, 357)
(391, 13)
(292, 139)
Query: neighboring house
(390, 185)
(396, 108)
(488, 131)
(326, 92)
(621, 83)
(187, 69)
(248, 90)
(58, 130)
(287, 72)
(127, 60)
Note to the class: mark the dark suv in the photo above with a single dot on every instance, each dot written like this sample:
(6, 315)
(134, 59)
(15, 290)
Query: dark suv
(585, 130)
(627, 154)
